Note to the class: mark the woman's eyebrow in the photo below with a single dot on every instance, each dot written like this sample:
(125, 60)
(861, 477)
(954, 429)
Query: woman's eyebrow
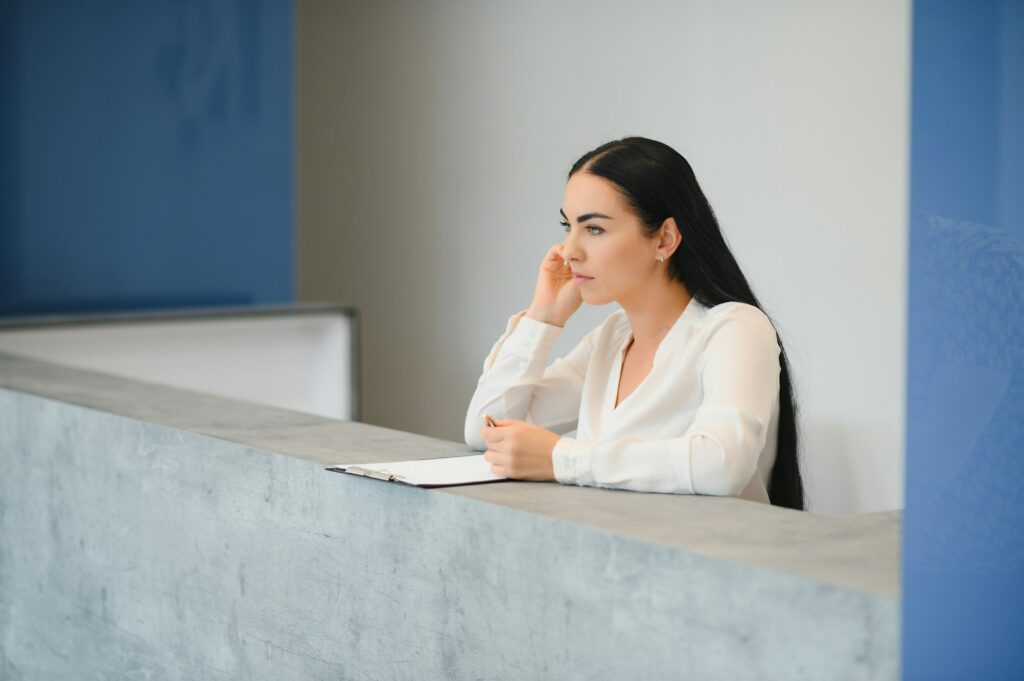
(586, 216)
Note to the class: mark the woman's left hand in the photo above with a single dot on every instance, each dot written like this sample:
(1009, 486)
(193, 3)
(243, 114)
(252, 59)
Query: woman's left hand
(520, 450)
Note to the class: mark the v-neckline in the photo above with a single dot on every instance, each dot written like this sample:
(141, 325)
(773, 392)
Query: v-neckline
(621, 359)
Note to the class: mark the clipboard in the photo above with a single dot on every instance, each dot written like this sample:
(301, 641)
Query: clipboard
(448, 471)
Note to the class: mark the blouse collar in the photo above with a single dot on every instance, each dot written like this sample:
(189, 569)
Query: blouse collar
(693, 312)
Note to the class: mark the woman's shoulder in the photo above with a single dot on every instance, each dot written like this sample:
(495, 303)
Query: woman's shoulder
(734, 312)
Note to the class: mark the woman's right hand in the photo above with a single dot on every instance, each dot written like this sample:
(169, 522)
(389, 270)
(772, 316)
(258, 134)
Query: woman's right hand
(557, 295)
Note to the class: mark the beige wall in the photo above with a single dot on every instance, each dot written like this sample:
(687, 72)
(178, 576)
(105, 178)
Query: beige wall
(433, 143)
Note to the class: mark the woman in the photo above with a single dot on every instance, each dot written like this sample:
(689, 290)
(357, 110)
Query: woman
(683, 390)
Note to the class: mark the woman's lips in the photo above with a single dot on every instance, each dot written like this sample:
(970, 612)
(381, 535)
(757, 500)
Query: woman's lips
(579, 278)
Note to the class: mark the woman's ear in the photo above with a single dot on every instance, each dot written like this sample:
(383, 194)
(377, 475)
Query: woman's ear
(669, 237)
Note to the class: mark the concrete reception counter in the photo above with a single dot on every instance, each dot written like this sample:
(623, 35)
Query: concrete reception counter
(153, 532)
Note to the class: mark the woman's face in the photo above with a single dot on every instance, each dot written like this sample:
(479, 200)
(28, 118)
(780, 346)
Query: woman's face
(604, 240)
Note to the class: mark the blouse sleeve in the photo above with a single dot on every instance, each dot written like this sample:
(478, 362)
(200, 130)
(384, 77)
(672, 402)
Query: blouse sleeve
(718, 453)
(516, 385)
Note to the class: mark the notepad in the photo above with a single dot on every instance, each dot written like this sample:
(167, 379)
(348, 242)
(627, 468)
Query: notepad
(443, 472)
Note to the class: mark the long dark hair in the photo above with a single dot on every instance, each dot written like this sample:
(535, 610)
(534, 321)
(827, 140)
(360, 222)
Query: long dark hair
(659, 183)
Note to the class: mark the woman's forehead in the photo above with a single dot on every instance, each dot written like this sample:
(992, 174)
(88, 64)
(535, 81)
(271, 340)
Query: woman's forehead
(586, 193)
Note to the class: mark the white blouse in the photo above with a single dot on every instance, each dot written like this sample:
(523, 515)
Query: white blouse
(703, 421)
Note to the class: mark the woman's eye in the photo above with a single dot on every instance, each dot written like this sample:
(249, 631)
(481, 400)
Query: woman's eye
(599, 230)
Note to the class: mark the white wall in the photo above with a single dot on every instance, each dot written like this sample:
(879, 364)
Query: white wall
(434, 139)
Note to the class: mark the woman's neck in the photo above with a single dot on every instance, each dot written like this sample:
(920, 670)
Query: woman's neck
(653, 316)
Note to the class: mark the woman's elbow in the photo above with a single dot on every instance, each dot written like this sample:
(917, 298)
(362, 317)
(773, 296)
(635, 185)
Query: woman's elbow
(722, 471)
(729, 483)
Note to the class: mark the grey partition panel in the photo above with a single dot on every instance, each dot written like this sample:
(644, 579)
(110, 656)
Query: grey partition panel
(302, 356)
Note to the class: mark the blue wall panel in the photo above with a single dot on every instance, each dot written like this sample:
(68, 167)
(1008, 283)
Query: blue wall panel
(964, 520)
(146, 154)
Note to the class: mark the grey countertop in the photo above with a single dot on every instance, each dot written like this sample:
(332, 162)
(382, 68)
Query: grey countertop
(860, 552)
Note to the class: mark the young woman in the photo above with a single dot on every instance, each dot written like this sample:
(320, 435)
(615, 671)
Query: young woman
(683, 390)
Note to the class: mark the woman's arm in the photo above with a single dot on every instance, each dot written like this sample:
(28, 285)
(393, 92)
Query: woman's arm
(718, 453)
(516, 385)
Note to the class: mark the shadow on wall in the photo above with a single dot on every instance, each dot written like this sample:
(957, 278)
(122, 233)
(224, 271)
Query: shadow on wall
(832, 469)
(836, 477)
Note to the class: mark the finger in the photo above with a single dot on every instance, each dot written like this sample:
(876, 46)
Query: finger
(496, 457)
(556, 255)
(493, 436)
(501, 471)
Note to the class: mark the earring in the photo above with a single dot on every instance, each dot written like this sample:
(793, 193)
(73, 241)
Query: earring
(661, 258)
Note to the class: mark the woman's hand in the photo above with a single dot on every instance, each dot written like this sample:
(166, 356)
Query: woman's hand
(520, 450)
(557, 296)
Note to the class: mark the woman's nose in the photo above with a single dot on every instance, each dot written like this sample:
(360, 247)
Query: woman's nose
(570, 247)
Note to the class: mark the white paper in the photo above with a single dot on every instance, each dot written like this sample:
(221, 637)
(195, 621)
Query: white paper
(452, 470)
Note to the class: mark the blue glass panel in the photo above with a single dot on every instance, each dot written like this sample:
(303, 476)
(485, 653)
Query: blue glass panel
(964, 521)
(146, 154)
